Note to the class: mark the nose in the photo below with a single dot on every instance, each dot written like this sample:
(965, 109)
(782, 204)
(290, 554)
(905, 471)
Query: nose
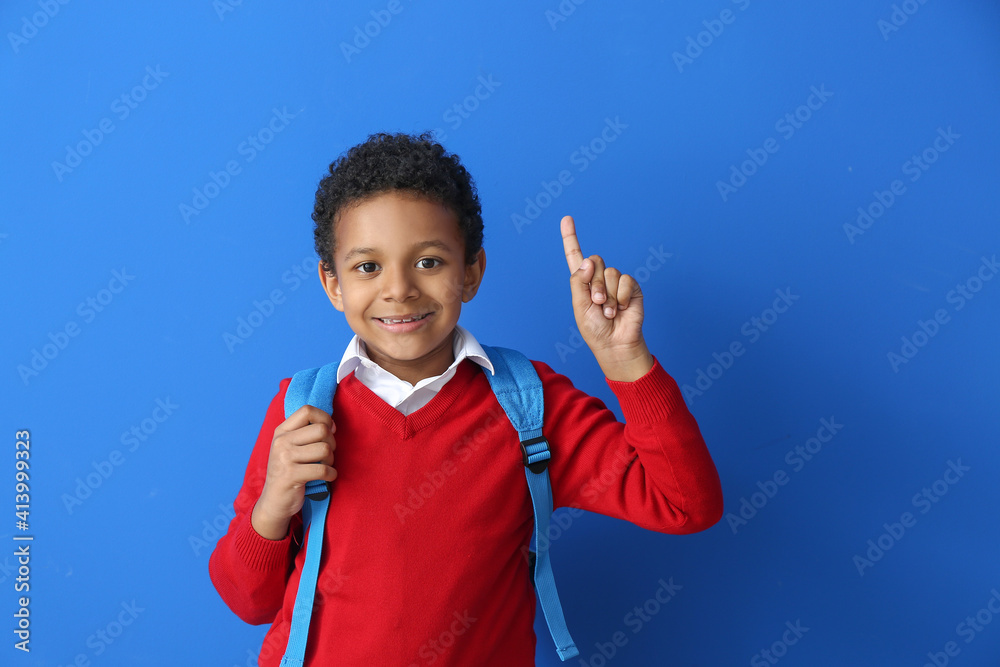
(398, 284)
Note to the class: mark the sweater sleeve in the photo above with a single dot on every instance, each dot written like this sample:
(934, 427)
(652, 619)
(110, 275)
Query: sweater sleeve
(250, 571)
(654, 470)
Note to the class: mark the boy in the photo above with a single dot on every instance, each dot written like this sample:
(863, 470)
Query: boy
(429, 518)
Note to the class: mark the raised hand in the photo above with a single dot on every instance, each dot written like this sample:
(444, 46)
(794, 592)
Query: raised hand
(608, 308)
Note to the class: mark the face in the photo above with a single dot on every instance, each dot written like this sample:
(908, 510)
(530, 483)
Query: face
(400, 257)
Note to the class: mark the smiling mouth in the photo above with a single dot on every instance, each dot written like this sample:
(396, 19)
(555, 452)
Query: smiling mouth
(391, 320)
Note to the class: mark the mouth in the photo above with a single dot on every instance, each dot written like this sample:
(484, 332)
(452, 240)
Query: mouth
(404, 323)
(402, 320)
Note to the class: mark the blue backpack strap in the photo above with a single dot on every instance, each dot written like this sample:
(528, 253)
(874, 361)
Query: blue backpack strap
(519, 391)
(315, 387)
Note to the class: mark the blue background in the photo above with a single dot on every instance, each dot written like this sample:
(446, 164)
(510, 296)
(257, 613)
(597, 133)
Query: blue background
(144, 534)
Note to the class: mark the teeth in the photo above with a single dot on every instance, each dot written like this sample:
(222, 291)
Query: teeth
(412, 319)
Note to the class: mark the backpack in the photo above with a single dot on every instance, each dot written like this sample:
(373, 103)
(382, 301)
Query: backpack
(519, 391)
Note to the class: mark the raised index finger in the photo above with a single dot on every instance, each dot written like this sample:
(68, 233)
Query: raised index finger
(570, 243)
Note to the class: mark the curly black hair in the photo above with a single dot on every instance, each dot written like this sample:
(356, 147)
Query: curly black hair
(386, 162)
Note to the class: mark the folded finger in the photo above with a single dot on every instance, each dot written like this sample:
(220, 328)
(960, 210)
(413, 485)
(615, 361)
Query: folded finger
(598, 287)
(612, 278)
(627, 287)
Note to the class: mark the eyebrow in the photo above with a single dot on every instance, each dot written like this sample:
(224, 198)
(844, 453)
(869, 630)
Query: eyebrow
(433, 243)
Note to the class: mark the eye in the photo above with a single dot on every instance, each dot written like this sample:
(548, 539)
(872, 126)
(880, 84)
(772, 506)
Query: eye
(421, 264)
(372, 265)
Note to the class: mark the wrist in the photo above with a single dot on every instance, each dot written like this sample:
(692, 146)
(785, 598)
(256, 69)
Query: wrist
(267, 526)
(626, 365)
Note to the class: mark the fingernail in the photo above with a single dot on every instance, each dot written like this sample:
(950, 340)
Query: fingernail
(609, 311)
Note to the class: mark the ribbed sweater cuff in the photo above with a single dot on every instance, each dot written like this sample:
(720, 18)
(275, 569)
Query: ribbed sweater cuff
(260, 553)
(651, 398)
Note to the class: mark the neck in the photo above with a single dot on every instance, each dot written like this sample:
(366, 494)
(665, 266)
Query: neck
(432, 364)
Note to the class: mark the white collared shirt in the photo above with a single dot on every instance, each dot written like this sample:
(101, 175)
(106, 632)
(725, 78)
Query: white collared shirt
(400, 394)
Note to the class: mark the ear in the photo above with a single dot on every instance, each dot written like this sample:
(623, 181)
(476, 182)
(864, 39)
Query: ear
(474, 276)
(331, 285)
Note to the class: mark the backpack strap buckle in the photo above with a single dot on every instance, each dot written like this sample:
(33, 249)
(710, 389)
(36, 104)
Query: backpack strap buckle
(535, 454)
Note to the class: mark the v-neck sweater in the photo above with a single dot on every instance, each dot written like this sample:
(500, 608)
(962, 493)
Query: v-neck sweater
(424, 554)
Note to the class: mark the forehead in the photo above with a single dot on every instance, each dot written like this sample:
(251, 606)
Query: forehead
(396, 221)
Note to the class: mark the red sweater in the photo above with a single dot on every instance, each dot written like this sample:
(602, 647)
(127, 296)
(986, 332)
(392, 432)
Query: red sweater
(430, 516)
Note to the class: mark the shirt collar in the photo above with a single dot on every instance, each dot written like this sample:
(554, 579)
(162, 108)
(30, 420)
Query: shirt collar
(464, 346)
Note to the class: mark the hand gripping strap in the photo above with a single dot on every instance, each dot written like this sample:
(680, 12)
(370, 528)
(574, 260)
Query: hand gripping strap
(315, 387)
(519, 391)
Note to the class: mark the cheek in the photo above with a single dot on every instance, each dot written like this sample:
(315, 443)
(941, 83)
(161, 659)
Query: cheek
(348, 299)
(361, 297)
(452, 291)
